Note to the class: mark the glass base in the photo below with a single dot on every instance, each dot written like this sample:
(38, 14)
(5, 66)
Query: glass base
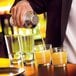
(60, 65)
(29, 62)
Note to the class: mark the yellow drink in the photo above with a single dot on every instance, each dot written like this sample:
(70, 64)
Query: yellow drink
(47, 56)
(43, 57)
(59, 58)
(39, 57)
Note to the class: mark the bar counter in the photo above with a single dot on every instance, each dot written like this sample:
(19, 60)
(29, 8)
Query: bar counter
(68, 70)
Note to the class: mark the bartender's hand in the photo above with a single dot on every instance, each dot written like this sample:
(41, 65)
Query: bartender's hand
(18, 12)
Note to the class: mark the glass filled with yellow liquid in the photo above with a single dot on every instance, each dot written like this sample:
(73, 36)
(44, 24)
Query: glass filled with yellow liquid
(42, 55)
(59, 57)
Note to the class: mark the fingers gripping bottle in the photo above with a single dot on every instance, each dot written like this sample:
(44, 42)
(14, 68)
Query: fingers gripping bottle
(30, 20)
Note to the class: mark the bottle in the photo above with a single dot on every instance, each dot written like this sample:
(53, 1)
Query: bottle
(30, 19)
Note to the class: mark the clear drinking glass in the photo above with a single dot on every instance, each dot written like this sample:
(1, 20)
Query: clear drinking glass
(27, 42)
(43, 54)
(14, 50)
(59, 56)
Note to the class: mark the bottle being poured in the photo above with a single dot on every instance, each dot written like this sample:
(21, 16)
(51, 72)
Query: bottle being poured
(30, 20)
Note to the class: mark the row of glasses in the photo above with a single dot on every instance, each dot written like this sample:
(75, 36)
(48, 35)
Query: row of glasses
(22, 51)
(20, 48)
(46, 55)
(23, 48)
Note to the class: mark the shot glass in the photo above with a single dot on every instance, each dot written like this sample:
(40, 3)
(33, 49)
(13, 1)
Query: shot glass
(59, 57)
(14, 50)
(42, 54)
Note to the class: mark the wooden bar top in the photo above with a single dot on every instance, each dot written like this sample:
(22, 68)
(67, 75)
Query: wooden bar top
(41, 70)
